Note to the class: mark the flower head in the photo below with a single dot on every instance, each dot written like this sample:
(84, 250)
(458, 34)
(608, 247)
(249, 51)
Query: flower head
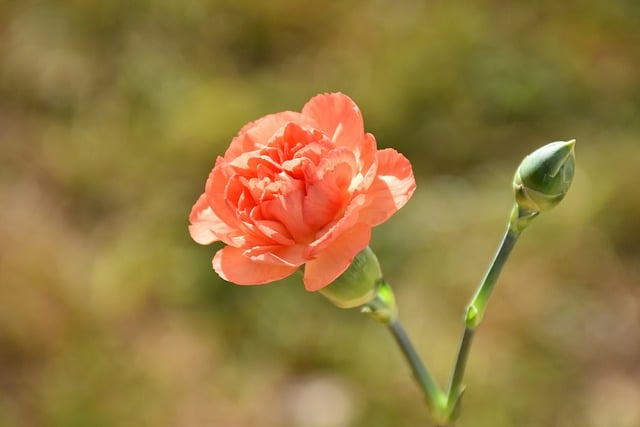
(299, 189)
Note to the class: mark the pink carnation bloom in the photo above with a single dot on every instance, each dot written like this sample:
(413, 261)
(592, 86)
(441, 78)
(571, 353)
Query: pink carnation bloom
(299, 188)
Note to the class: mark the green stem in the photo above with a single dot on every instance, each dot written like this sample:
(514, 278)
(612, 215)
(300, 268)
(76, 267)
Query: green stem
(478, 304)
(477, 307)
(436, 399)
(455, 385)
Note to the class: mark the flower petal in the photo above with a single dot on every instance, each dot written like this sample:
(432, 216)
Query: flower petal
(233, 266)
(287, 209)
(216, 191)
(205, 225)
(256, 134)
(277, 255)
(338, 117)
(368, 160)
(336, 258)
(328, 190)
(274, 231)
(326, 236)
(391, 189)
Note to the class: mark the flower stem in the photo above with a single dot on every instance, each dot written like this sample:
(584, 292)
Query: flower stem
(477, 307)
(478, 304)
(455, 386)
(436, 399)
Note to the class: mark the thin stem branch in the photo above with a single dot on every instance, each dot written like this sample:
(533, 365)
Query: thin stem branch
(478, 304)
(455, 385)
(473, 318)
(436, 399)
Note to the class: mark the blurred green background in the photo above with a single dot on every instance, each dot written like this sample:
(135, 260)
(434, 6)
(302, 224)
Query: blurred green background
(112, 114)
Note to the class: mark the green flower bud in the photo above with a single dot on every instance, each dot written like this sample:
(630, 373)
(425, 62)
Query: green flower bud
(544, 177)
(358, 284)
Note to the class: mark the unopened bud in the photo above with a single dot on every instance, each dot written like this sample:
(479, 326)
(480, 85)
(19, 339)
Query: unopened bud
(544, 177)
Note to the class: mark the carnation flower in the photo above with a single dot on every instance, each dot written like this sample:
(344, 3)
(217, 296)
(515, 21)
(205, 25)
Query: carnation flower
(299, 189)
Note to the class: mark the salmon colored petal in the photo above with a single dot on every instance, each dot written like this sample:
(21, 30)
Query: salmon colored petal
(338, 156)
(216, 191)
(336, 258)
(274, 231)
(204, 222)
(224, 190)
(257, 134)
(338, 117)
(368, 160)
(291, 256)
(288, 210)
(343, 225)
(391, 189)
(233, 266)
(328, 191)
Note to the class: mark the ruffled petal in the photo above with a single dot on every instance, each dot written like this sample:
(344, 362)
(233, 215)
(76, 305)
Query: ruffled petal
(256, 134)
(393, 186)
(332, 232)
(336, 258)
(338, 117)
(205, 225)
(216, 192)
(287, 209)
(368, 160)
(328, 190)
(233, 266)
(277, 255)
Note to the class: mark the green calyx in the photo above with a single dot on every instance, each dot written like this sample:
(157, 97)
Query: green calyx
(358, 284)
(382, 307)
(544, 177)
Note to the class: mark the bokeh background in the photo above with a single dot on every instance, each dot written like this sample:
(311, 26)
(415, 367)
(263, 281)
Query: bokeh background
(112, 114)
